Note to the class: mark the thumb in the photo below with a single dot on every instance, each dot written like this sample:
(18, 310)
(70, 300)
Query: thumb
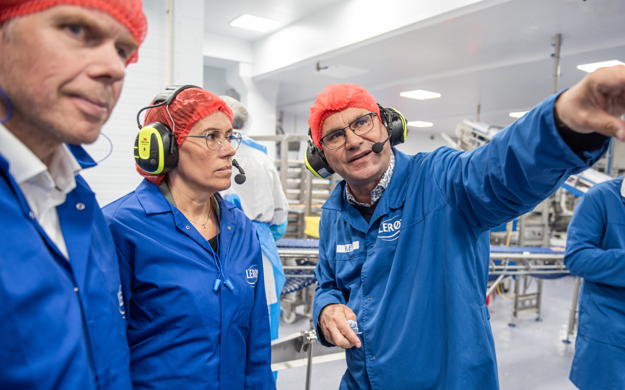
(349, 314)
(606, 124)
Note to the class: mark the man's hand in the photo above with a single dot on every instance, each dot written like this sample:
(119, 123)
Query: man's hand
(333, 323)
(596, 103)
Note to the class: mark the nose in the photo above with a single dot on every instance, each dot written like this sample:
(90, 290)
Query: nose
(352, 140)
(107, 66)
(227, 150)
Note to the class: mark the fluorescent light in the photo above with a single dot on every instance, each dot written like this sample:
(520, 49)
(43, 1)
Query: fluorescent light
(254, 23)
(420, 124)
(594, 66)
(518, 114)
(420, 94)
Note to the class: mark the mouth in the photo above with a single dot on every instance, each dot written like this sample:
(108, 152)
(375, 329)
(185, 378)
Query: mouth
(359, 156)
(226, 169)
(91, 106)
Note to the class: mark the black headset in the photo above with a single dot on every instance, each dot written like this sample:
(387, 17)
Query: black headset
(156, 150)
(395, 125)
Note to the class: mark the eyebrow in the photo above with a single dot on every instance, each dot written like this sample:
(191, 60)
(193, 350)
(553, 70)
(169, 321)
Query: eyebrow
(350, 122)
(66, 17)
(216, 129)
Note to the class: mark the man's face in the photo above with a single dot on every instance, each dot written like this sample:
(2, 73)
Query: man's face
(355, 161)
(63, 69)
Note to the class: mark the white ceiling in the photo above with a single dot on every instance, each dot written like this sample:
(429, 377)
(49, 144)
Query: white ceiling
(219, 13)
(498, 57)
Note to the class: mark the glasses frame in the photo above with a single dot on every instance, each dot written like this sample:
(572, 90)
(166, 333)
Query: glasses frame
(371, 114)
(233, 135)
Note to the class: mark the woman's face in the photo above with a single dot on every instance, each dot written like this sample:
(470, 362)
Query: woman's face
(201, 167)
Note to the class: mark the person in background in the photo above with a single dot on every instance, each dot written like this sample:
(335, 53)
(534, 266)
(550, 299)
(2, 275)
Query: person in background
(263, 200)
(62, 70)
(595, 251)
(404, 246)
(191, 263)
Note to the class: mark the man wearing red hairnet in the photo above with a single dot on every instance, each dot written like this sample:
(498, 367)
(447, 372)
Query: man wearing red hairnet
(61, 72)
(404, 245)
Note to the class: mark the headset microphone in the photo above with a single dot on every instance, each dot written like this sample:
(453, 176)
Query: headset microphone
(379, 146)
(240, 177)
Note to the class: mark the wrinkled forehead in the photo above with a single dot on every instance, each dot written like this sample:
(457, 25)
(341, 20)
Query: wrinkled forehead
(121, 20)
(216, 121)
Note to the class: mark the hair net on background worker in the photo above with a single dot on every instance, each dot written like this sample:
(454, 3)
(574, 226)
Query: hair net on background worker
(188, 107)
(127, 12)
(335, 98)
(241, 119)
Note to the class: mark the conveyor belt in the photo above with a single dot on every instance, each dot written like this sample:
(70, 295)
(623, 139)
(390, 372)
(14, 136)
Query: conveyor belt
(539, 262)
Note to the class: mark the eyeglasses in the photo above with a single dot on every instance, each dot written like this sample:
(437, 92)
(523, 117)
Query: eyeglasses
(215, 139)
(360, 126)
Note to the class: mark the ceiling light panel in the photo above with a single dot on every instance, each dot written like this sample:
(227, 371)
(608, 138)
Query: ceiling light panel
(518, 114)
(594, 66)
(420, 124)
(254, 23)
(420, 94)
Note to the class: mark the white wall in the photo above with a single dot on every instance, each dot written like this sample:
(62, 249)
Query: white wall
(215, 80)
(116, 176)
(421, 141)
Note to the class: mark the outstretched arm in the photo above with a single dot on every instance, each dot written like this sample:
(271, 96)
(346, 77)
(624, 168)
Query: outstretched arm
(529, 160)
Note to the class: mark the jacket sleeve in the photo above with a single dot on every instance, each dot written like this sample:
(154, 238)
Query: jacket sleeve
(327, 291)
(258, 373)
(520, 167)
(584, 256)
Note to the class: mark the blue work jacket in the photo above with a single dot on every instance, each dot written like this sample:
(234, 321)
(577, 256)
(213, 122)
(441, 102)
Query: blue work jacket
(416, 274)
(182, 334)
(61, 323)
(595, 251)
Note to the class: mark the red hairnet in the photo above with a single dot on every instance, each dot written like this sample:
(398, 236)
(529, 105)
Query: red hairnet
(335, 98)
(127, 12)
(188, 107)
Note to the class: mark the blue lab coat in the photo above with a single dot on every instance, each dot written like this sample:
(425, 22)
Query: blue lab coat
(61, 322)
(595, 251)
(416, 275)
(182, 334)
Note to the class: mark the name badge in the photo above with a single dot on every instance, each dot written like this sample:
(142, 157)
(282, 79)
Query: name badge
(348, 247)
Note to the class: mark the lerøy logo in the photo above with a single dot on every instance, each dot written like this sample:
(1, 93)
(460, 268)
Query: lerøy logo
(251, 275)
(389, 229)
(120, 298)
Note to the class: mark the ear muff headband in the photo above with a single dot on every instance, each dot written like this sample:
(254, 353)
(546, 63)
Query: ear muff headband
(155, 149)
(395, 124)
(316, 160)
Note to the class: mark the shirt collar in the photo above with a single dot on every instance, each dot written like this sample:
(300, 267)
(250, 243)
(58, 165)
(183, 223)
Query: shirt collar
(377, 192)
(24, 165)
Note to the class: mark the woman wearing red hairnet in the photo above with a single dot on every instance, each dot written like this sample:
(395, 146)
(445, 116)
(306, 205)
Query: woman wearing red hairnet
(191, 264)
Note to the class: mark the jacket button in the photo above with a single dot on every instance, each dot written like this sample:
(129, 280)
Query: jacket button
(372, 358)
(371, 246)
(369, 298)
(76, 289)
(188, 227)
(80, 206)
(32, 215)
(229, 228)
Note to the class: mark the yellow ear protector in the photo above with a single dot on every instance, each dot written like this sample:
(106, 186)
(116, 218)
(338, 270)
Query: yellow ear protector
(393, 121)
(156, 150)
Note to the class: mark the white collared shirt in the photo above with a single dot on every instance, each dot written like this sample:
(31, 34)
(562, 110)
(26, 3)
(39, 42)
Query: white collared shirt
(44, 188)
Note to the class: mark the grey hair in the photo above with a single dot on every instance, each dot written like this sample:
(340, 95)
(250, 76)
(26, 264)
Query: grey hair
(7, 28)
(240, 116)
